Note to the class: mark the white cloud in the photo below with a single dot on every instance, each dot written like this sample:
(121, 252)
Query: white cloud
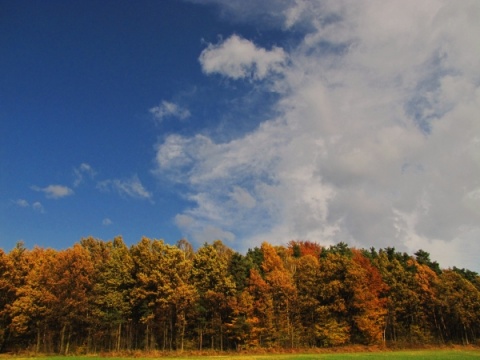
(54, 191)
(37, 206)
(129, 187)
(22, 203)
(169, 109)
(201, 233)
(242, 197)
(376, 139)
(80, 172)
(240, 58)
(183, 221)
(107, 222)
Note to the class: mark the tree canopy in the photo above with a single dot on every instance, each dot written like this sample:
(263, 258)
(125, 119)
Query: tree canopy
(105, 296)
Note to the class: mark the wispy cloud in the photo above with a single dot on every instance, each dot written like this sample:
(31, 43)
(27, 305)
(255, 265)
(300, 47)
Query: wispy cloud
(22, 203)
(37, 206)
(54, 191)
(376, 138)
(132, 187)
(201, 233)
(84, 170)
(107, 222)
(169, 109)
(240, 58)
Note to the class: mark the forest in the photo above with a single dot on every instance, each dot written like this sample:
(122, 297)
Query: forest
(105, 296)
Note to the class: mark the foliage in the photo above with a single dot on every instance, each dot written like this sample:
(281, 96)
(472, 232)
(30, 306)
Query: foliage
(104, 296)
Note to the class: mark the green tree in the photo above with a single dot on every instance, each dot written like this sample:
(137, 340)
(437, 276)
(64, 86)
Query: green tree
(162, 294)
(460, 307)
(306, 280)
(423, 258)
(216, 289)
(109, 298)
(334, 325)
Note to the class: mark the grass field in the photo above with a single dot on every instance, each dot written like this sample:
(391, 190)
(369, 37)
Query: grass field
(388, 355)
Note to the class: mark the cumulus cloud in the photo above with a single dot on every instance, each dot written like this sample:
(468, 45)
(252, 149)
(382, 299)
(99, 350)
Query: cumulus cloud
(54, 191)
(126, 187)
(239, 58)
(375, 143)
(84, 170)
(169, 109)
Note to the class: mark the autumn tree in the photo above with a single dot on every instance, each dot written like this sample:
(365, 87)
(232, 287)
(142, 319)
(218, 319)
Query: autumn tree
(334, 326)
(283, 293)
(368, 305)
(162, 294)
(103, 296)
(459, 300)
(109, 298)
(261, 317)
(7, 297)
(14, 268)
(307, 281)
(215, 288)
(73, 283)
(32, 311)
(299, 248)
(401, 297)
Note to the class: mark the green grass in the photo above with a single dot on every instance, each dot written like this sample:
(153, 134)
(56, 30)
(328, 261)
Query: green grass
(388, 355)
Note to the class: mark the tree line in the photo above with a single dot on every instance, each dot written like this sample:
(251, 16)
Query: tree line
(104, 296)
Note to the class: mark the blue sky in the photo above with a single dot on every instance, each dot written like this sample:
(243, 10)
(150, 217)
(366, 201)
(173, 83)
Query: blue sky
(316, 120)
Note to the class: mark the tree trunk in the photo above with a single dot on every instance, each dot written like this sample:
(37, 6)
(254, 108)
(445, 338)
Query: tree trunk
(182, 332)
(165, 336)
(37, 347)
(67, 346)
(119, 336)
(466, 334)
(147, 337)
(172, 338)
(62, 339)
(221, 337)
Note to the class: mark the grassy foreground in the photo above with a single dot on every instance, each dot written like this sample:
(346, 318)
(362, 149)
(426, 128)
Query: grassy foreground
(441, 354)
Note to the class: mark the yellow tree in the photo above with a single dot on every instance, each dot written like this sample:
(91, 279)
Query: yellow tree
(71, 287)
(426, 288)
(306, 279)
(260, 319)
(7, 297)
(17, 265)
(33, 310)
(283, 292)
